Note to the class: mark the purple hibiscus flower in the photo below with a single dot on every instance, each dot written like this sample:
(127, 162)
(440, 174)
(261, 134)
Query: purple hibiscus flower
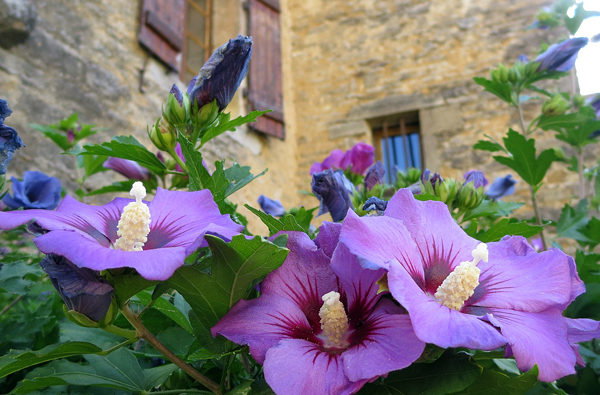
(128, 168)
(154, 239)
(375, 175)
(476, 177)
(319, 326)
(37, 190)
(502, 186)
(463, 293)
(333, 190)
(9, 139)
(333, 161)
(561, 56)
(270, 206)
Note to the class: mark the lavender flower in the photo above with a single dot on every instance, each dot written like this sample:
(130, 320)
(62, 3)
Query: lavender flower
(154, 238)
(37, 190)
(222, 74)
(333, 190)
(128, 168)
(82, 290)
(319, 326)
(561, 56)
(270, 206)
(482, 295)
(9, 139)
(502, 186)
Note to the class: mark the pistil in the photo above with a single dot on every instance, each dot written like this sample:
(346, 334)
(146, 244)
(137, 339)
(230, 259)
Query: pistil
(134, 224)
(461, 283)
(334, 321)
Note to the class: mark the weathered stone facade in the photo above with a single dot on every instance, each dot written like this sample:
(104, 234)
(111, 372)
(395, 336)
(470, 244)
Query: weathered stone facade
(345, 64)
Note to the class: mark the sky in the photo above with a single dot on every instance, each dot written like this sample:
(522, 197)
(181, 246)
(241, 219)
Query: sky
(588, 60)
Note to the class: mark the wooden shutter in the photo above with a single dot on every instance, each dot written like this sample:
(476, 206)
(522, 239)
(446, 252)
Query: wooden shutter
(161, 29)
(264, 76)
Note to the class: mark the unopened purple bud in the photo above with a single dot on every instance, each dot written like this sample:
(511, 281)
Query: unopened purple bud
(522, 58)
(561, 56)
(9, 139)
(222, 74)
(333, 190)
(429, 179)
(476, 177)
(375, 175)
(502, 186)
(375, 204)
(128, 168)
(82, 290)
(270, 206)
(4, 110)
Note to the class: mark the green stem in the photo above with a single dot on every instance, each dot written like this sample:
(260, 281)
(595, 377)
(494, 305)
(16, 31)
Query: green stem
(580, 174)
(180, 162)
(536, 210)
(122, 344)
(126, 333)
(145, 334)
(11, 304)
(537, 216)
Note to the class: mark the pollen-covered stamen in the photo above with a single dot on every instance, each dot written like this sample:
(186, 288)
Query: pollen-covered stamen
(461, 283)
(334, 321)
(134, 224)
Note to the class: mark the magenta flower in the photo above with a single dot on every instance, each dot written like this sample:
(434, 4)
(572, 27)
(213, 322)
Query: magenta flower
(359, 158)
(463, 293)
(319, 326)
(87, 235)
(128, 168)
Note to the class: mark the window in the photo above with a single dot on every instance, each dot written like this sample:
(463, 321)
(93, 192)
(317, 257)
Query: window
(178, 33)
(397, 142)
(196, 47)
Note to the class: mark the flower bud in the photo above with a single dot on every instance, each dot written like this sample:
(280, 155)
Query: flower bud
(561, 56)
(556, 105)
(177, 107)
(469, 196)
(447, 190)
(204, 116)
(163, 135)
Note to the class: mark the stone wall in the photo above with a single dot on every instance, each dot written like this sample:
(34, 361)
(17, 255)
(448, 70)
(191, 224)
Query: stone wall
(61, 56)
(356, 60)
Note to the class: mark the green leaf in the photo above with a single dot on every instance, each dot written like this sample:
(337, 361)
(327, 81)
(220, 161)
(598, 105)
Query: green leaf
(128, 284)
(58, 137)
(508, 226)
(591, 231)
(486, 145)
(126, 147)
(287, 222)
(238, 177)
(119, 370)
(18, 277)
(165, 307)
(574, 128)
(200, 178)
(235, 267)
(91, 164)
(16, 361)
(588, 266)
(572, 219)
(492, 208)
(492, 382)
(225, 124)
(448, 374)
(523, 159)
(501, 90)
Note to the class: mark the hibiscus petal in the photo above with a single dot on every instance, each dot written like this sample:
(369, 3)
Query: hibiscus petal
(304, 277)
(516, 277)
(328, 237)
(180, 218)
(381, 240)
(295, 366)
(390, 345)
(430, 223)
(437, 324)
(538, 338)
(261, 323)
(84, 251)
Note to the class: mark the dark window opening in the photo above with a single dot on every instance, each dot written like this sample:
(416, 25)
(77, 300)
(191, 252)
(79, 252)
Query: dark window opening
(398, 143)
